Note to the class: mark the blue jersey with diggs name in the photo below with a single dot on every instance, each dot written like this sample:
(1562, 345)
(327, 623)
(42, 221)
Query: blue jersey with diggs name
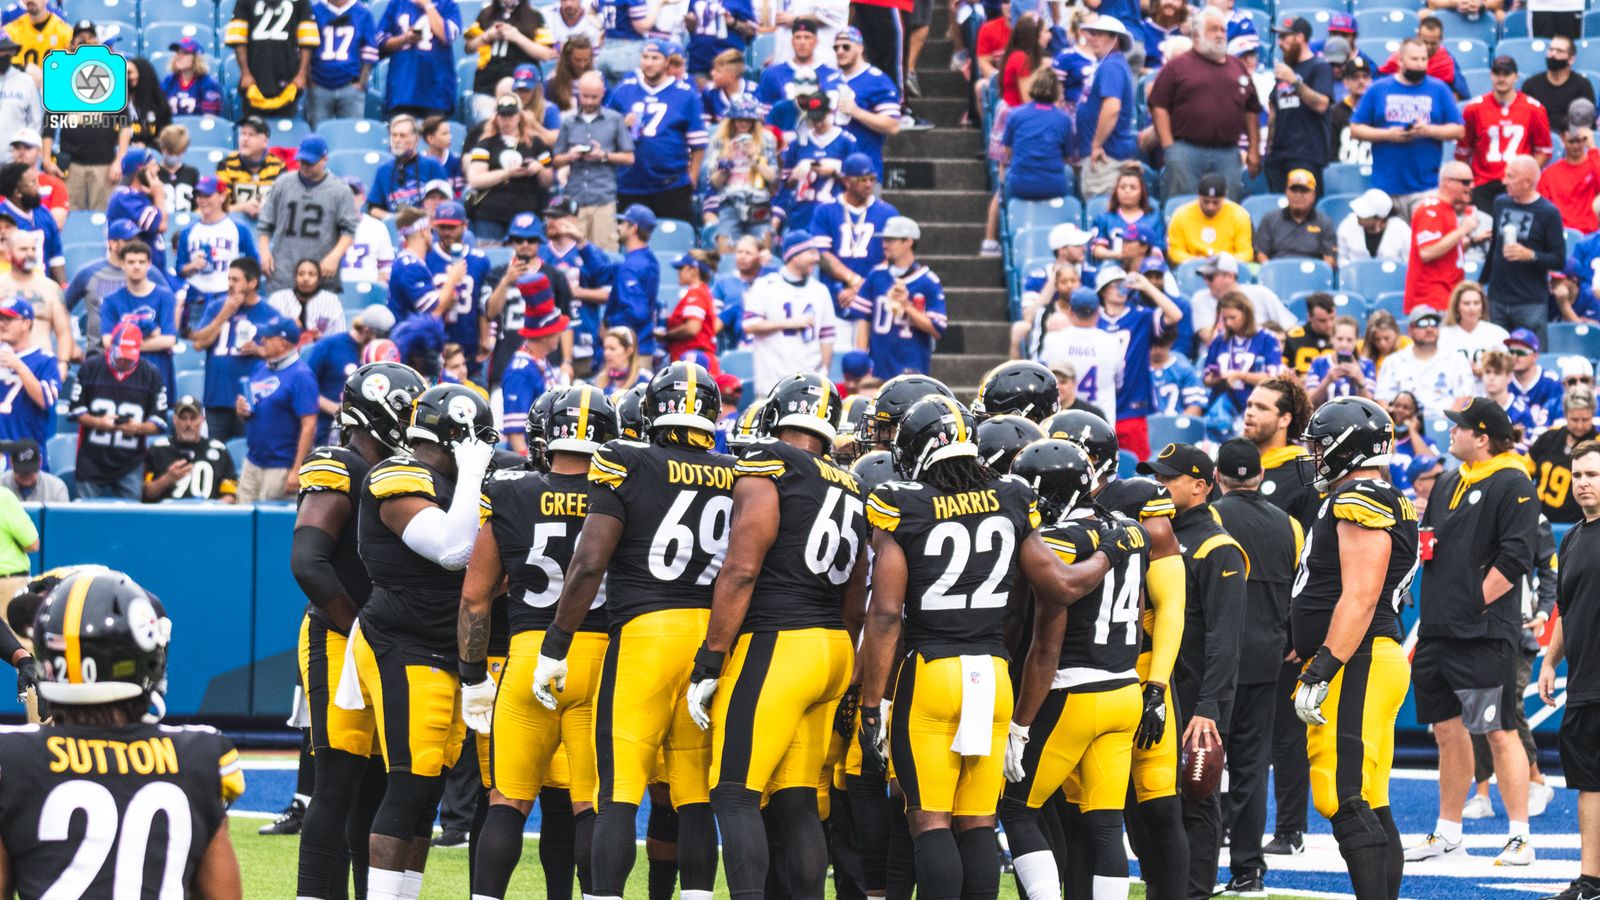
(896, 346)
(1544, 397)
(773, 92)
(1134, 330)
(854, 235)
(874, 92)
(22, 419)
(422, 74)
(586, 266)
(137, 207)
(350, 40)
(399, 183)
(800, 199)
(667, 125)
(472, 296)
(199, 97)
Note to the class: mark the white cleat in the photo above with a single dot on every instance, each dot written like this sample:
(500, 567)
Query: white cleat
(1539, 797)
(1518, 852)
(1479, 807)
(1434, 846)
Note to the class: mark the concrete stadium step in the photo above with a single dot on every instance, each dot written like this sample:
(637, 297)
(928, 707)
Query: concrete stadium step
(976, 304)
(940, 81)
(943, 206)
(950, 238)
(963, 368)
(943, 111)
(935, 143)
(966, 270)
(940, 174)
(969, 336)
(935, 54)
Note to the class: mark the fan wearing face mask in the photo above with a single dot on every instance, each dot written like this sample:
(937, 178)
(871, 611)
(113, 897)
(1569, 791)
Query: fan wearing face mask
(1407, 117)
(118, 401)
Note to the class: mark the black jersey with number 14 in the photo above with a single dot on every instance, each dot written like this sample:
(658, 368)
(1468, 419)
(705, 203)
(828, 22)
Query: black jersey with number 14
(1100, 650)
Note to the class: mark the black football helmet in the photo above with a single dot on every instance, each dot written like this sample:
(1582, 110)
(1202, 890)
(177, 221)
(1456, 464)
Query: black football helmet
(1020, 387)
(581, 419)
(683, 395)
(804, 400)
(1060, 472)
(632, 423)
(747, 427)
(934, 428)
(378, 398)
(894, 399)
(1094, 434)
(1001, 437)
(873, 469)
(536, 429)
(447, 414)
(1344, 435)
(845, 447)
(101, 638)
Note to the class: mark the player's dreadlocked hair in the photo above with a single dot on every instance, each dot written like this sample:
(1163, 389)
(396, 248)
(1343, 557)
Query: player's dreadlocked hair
(1292, 399)
(961, 473)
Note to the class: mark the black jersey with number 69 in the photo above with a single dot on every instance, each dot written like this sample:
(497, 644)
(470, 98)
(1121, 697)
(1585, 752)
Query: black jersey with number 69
(1369, 503)
(536, 519)
(676, 507)
(961, 552)
(822, 528)
(1104, 634)
(112, 812)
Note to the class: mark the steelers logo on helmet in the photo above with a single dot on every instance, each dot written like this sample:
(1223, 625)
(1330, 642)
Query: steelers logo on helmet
(375, 387)
(462, 410)
(806, 401)
(144, 625)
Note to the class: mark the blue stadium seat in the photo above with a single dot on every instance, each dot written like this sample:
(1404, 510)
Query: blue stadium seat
(1188, 277)
(189, 360)
(1478, 81)
(191, 383)
(1259, 205)
(1127, 464)
(359, 295)
(738, 363)
(237, 449)
(1591, 24)
(1469, 53)
(1287, 277)
(201, 12)
(1382, 24)
(1172, 204)
(103, 11)
(1393, 303)
(1483, 28)
(83, 253)
(84, 227)
(1336, 207)
(354, 134)
(1095, 206)
(1344, 302)
(208, 132)
(1528, 52)
(1346, 178)
(1166, 430)
(761, 50)
(1514, 26)
(163, 34)
(1031, 243)
(469, 11)
(363, 164)
(466, 68)
(1033, 213)
(1572, 337)
(1373, 277)
(1439, 431)
(287, 132)
(69, 477)
(62, 449)
(672, 237)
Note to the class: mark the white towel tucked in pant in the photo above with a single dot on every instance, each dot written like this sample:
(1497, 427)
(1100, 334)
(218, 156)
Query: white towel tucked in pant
(975, 734)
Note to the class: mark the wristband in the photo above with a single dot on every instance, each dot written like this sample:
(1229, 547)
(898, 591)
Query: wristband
(1323, 667)
(473, 672)
(557, 641)
(707, 663)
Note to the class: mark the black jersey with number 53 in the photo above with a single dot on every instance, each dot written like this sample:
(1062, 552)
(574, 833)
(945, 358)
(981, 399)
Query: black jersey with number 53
(961, 553)
(536, 519)
(1104, 634)
(822, 529)
(676, 507)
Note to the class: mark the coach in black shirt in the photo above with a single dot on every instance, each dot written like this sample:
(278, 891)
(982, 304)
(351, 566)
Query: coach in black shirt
(1271, 541)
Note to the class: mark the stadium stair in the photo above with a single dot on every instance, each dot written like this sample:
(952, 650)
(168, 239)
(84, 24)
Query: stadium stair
(951, 213)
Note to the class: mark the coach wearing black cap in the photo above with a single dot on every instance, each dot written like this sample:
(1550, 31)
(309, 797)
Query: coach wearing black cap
(1208, 658)
(1271, 541)
(1478, 540)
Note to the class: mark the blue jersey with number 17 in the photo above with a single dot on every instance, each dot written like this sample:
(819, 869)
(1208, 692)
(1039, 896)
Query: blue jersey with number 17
(1134, 329)
(349, 40)
(853, 234)
(668, 123)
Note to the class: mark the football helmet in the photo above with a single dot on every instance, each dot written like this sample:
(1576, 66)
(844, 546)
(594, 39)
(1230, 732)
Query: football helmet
(448, 414)
(378, 398)
(1344, 435)
(894, 399)
(632, 422)
(580, 420)
(934, 429)
(747, 427)
(1021, 387)
(845, 447)
(1001, 437)
(102, 638)
(1060, 472)
(683, 395)
(537, 426)
(1094, 434)
(874, 469)
(804, 400)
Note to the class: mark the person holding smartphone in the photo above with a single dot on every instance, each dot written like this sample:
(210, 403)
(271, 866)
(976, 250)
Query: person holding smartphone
(1344, 374)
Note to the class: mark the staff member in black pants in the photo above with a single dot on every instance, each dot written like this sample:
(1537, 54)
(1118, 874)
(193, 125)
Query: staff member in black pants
(1577, 632)
(1271, 541)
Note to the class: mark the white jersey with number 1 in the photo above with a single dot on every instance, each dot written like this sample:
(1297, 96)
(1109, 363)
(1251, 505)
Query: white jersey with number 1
(1097, 358)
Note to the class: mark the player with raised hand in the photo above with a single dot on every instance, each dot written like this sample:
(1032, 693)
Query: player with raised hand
(417, 522)
(373, 414)
(1355, 573)
(947, 549)
(145, 813)
(788, 606)
(534, 521)
(656, 530)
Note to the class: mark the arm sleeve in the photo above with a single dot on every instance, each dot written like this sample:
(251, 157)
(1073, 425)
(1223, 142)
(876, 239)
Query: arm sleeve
(446, 536)
(1223, 612)
(1167, 588)
(1549, 577)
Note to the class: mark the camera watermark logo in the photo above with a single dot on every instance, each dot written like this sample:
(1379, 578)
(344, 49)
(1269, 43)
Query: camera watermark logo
(86, 86)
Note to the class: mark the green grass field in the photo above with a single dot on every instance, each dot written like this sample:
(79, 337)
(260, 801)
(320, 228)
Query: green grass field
(268, 864)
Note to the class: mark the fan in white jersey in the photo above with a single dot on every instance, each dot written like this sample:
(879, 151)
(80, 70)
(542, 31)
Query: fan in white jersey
(207, 246)
(372, 252)
(1094, 354)
(789, 314)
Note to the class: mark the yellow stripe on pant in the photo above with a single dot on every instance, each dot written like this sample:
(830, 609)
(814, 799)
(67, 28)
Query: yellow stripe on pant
(773, 711)
(321, 653)
(527, 738)
(922, 724)
(1087, 738)
(1353, 754)
(417, 709)
(642, 703)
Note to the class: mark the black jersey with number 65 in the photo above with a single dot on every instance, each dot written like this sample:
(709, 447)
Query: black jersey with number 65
(536, 519)
(961, 552)
(112, 812)
(676, 507)
(1104, 634)
(822, 528)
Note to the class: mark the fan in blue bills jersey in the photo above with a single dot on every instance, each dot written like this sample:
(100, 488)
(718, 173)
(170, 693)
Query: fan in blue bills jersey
(472, 289)
(901, 306)
(204, 249)
(1074, 68)
(666, 120)
(782, 83)
(132, 201)
(726, 85)
(813, 165)
(1531, 381)
(1123, 314)
(27, 404)
(349, 44)
(1178, 388)
(849, 231)
(189, 93)
(719, 26)
(869, 103)
(422, 71)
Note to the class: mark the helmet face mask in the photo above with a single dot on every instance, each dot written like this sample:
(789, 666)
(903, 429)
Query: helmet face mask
(881, 422)
(1060, 472)
(448, 414)
(683, 395)
(1020, 387)
(1092, 434)
(933, 430)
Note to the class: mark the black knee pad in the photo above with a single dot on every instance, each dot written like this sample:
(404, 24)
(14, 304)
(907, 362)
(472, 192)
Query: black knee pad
(662, 824)
(1356, 826)
(732, 797)
(407, 800)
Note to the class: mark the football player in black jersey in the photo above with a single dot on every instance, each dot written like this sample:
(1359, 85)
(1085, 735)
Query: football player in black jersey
(1021, 387)
(947, 548)
(1000, 438)
(746, 428)
(1079, 703)
(631, 419)
(1355, 574)
(373, 413)
(101, 803)
(846, 449)
(534, 522)
(657, 529)
(880, 421)
(417, 519)
(788, 607)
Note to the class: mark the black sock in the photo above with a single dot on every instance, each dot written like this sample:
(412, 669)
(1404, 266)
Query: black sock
(980, 863)
(499, 847)
(358, 825)
(323, 853)
(480, 814)
(938, 865)
(1164, 859)
(583, 849)
(744, 834)
(803, 861)
(1103, 835)
(901, 871)
(1394, 851)
(614, 849)
(663, 878)
(697, 847)
(1364, 844)
(662, 826)
(844, 854)
(305, 780)
(556, 841)
(871, 810)
(1078, 874)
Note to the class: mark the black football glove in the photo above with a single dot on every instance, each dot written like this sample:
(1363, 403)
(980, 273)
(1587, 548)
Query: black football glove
(844, 718)
(29, 673)
(1153, 721)
(1312, 688)
(1118, 542)
(872, 741)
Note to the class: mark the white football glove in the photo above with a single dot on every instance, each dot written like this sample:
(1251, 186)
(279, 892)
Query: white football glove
(1016, 745)
(472, 459)
(1308, 702)
(477, 705)
(549, 673)
(700, 694)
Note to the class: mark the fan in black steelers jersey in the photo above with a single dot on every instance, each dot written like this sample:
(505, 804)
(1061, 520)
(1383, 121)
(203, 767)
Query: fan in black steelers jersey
(417, 522)
(1079, 704)
(101, 803)
(1355, 573)
(947, 548)
(1155, 817)
(657, 530)
(187, 464)
(374, 409)
(534, 521)
(787, 607)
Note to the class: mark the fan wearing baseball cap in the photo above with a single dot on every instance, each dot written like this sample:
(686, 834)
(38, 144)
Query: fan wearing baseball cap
(280, 413)
(1301, 95)
(1210, 224)
(141, 199)
(636, 280)
(1497, 126)
(1297, 230)
(470, 302)
(26, 149)
(30, 371)
(849, 231)
(872, 102)
(802, 63)
(900, 310)
(813, 163)
(205, 247)
(692, 325)
(311, 215)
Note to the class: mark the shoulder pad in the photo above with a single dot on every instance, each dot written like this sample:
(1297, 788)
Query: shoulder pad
(608, 466)
(761, 460)
(324, 470)
(396, 477)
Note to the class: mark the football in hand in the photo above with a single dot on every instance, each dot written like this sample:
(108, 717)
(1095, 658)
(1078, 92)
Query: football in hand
(1200, 771)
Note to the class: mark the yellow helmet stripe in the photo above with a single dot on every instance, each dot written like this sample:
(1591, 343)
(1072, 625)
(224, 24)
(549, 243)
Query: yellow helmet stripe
(690, 405)
(955, 409)
(72, 624)
(822, 408)
(583, 415)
